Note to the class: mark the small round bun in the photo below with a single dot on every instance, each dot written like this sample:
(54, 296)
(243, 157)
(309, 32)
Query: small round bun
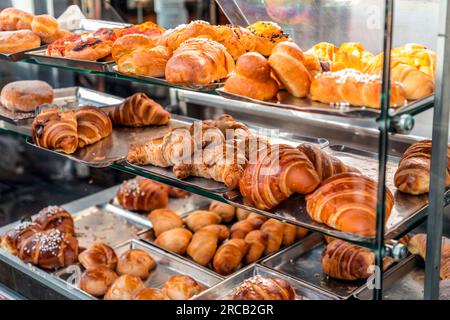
(44, 26)
(15, 41)
(12, 19)
(26, 95)
(96, 281)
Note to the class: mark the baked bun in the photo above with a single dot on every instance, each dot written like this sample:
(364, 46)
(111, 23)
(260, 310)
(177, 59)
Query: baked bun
(236, 39)
(99, 254)
(136, 262)
(15, 19)
(129, 43)
(286, 61)
(25, 95)
(124, 288)
(181, 287)
(252, 78)
(145, 62)
(60, 34)
(15, 41)
(268, 35)
(150, 294)
(184, 32)
(96, 281)
(44, 25)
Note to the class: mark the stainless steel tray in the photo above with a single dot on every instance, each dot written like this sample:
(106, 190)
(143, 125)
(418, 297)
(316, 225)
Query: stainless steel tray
(303, 261)
(404, 281)
(407, 211)
(223, 290)
(84, 25)
(164, 82)
(71, 96)
(284, 100)
(19, 55)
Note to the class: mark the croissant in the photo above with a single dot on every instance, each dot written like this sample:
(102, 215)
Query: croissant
(145, 62)
(11, 240)
(97, 280)
(355, 88)
(324, 51)
(184, 32)
(286, 61)
(221, 163)
(325, 164)
(416, 84)
(140, 194)
(201, 218)
(124, 288)
(54, 217)
(199, 61)
(167, 151)
(135, 262)
(204, 243)
(163, 220)
(347, 202)
(138, 111)
(413, 173)
(235, 39)
(93, 125)
(56, 130)
(278, 173)
(229, 256)
(225, 211)
(257, 243)
(417, 56)
(175, 240)
(418, 245)
(181, 287)
(49, 249)
(274, 230)
(261, 288)
(99, 254)
(346, 261)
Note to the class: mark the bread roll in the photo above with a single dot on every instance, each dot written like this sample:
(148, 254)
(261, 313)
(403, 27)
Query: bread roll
(99, 254)
(163, 220)
(201, 218)
(44, 25)
(175, 240)
(135, 262)
(15, 41)
(26, 95)
(225, 211)
(12, 19)
(181, 287)
(124, 288)
(96, 281)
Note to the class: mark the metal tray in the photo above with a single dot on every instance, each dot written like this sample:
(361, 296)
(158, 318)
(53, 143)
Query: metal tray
(84, 25)
(19, 55)
(303, 261)
(284, 100)
(164, 82)
(72, 96)
(408, 210)
(404, 281)
(223, 290)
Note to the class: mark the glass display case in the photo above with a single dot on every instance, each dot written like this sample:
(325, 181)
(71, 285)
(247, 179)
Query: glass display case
(370, 140)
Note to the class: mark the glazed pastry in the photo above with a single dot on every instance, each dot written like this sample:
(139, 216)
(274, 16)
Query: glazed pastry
(181, 287)
(286, 62)
(140, 194)
(241, 228)
(252, 78)
(235, 39)
(16, 41)
(50, 249)
(261, 288)
(274, 230)
(242, 214)
(201, 218)
(163, 220)
(199, 61)
(167, 151)
(150, 294)
(204, 243)
(97, 280)
(257, 244)
(175, 240)
(178, 193)
(11, 240)
(145, 62)
(418, 245)
(301, 233)
(289, 234)
(93, 125)
(413, 173)
(347, 202)
(268, 34)
(99, 254)
(355, 88)
(291, 172)
(56, 130)
(124, 288)
(54, 217)
(138, 111)
(229, 256)
(15, 19)
(225, 211)
(135, 262)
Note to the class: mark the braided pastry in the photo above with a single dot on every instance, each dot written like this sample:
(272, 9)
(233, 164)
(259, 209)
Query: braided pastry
(56, 130)
(261, 288)
(347, 202)
(279, 172)
(140, 194)
(54, 217)
(93, 125)
(49, 249)
(138, 111)
(413, 173)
